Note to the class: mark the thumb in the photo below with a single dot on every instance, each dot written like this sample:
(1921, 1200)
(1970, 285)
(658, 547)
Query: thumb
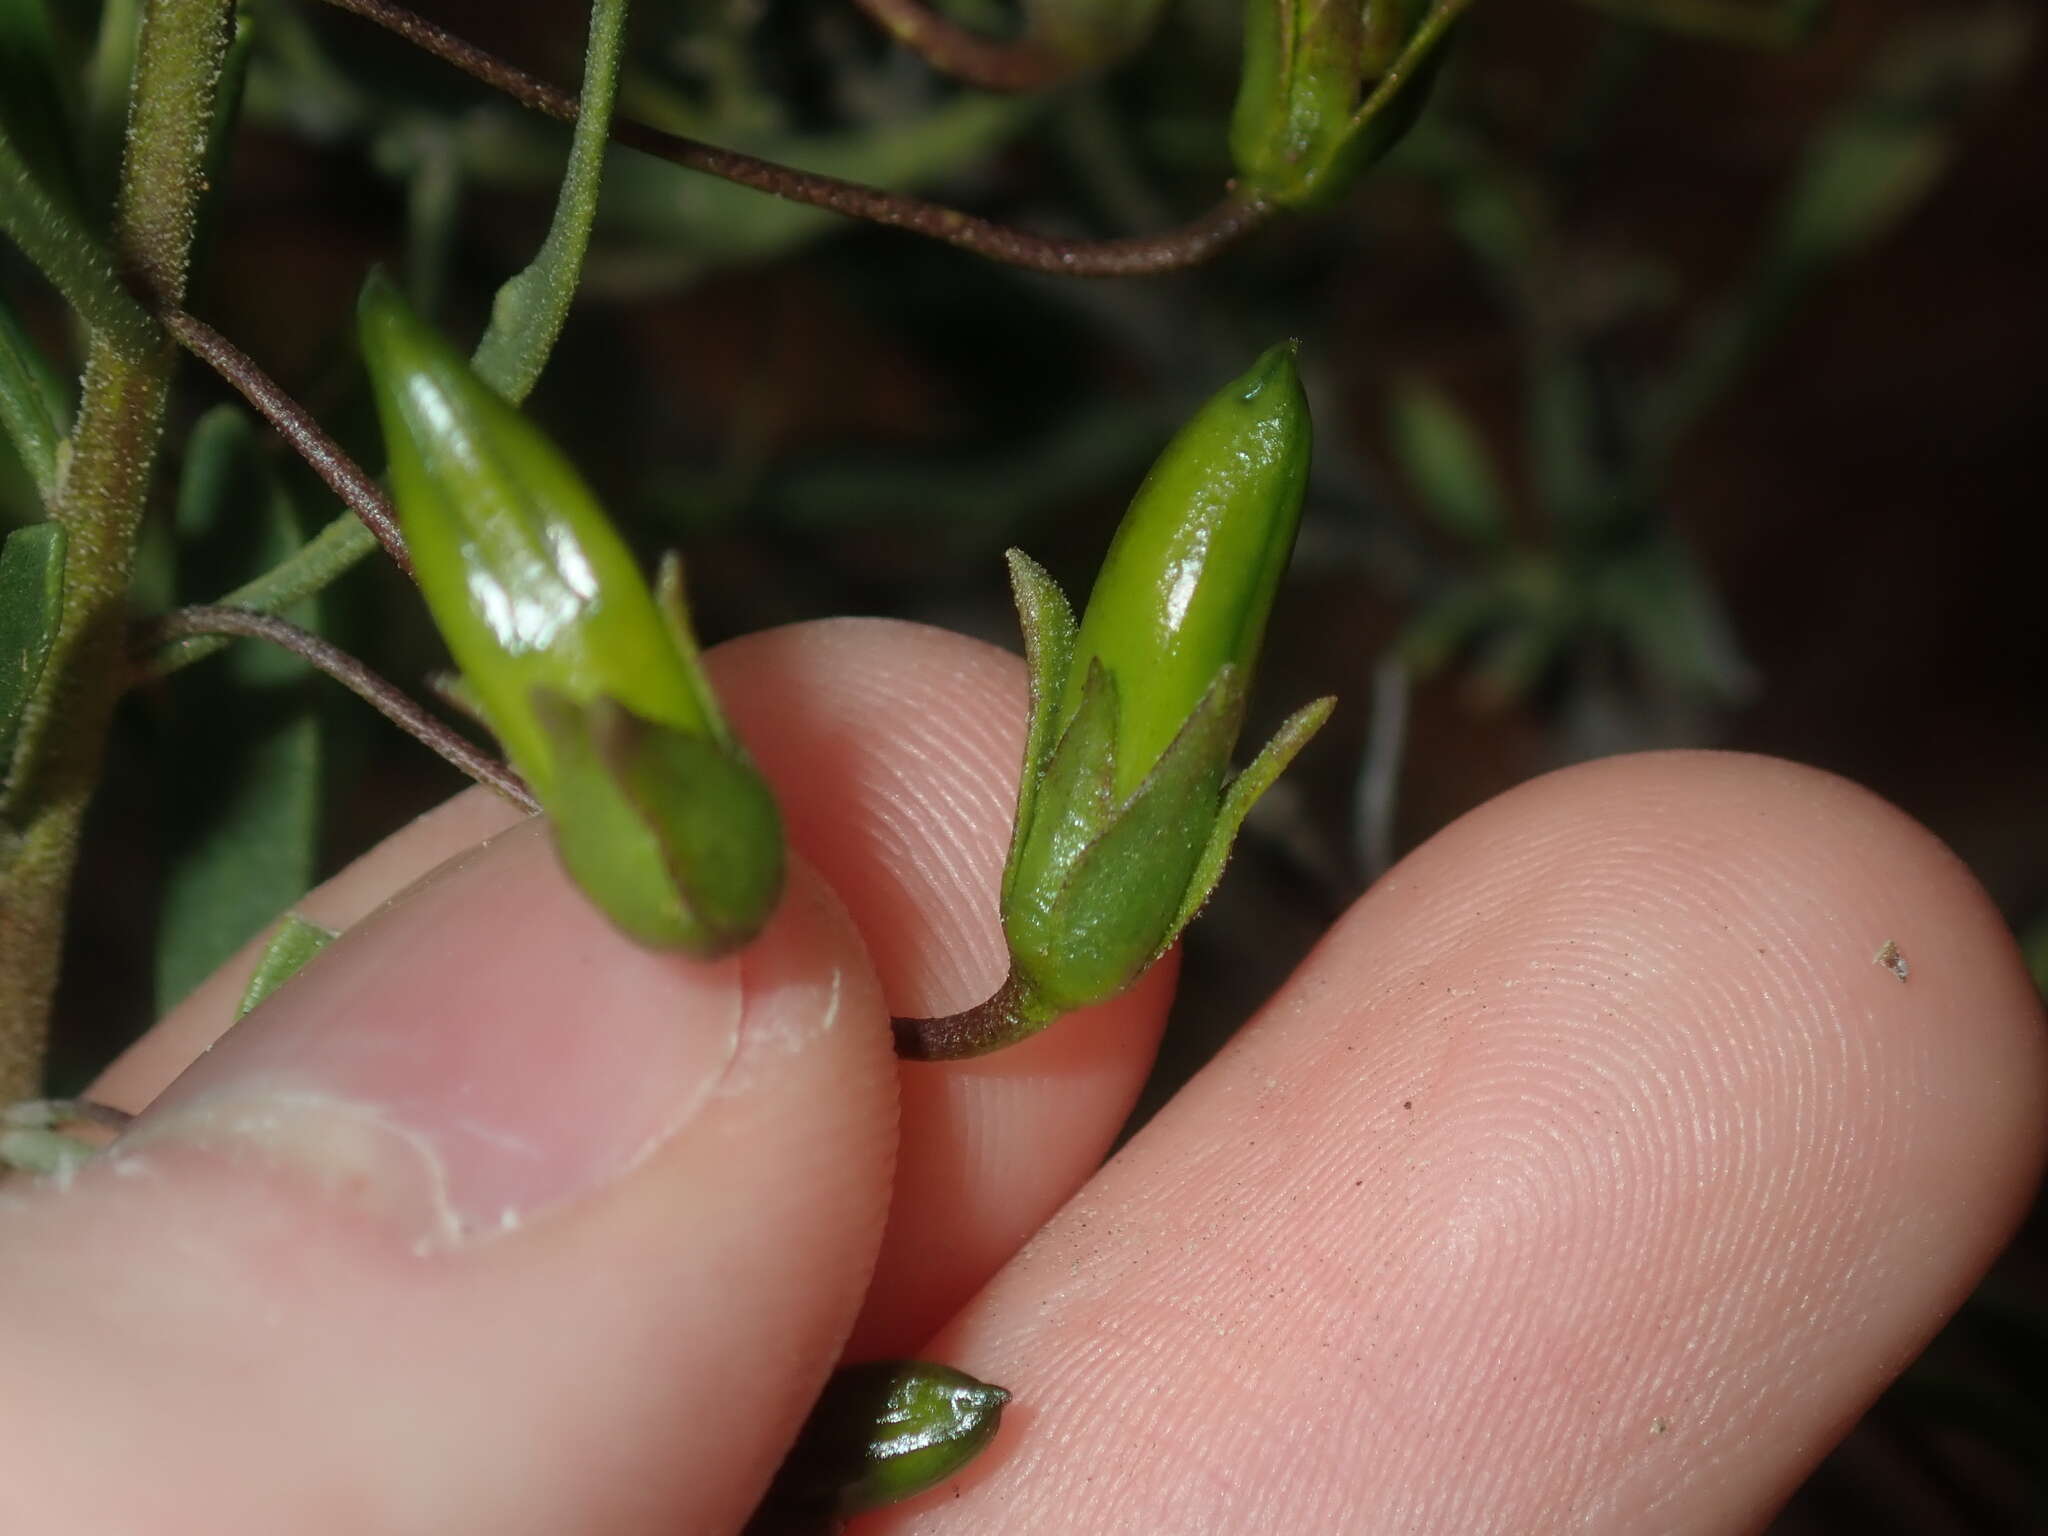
(489, 1221)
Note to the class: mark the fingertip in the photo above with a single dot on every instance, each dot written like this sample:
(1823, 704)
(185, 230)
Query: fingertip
(1593, 1164)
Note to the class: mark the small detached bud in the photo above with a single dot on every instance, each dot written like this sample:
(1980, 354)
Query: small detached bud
(1127, 808)
(1328, 87)
(590, 681)
(880, 1433)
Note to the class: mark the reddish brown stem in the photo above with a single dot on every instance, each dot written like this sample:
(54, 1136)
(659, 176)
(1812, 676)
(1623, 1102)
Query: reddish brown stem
(389, 701)
(1229, 220)
(1019, 65)
(343, 475)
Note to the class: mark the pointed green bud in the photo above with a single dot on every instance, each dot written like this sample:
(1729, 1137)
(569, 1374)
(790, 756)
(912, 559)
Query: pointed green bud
(1128, 807)
(1328, 87)
(590, 680)
(881, 1433)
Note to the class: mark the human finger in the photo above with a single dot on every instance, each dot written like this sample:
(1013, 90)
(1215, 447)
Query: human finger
(1595, 1173)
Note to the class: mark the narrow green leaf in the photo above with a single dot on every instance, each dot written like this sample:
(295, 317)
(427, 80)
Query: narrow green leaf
(529, 311)
(339, 547)
(31, 602)
(1243, 793)
(1564, 434)
(1447, 462)
(1396, 100)
(296, 941)
(66, 253)
(1048, 622)
(31, 404)
(242, 759)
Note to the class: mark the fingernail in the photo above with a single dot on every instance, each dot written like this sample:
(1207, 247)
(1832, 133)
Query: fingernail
(480, 1053)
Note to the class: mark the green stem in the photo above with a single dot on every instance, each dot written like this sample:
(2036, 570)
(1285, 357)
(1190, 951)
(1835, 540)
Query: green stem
(120, 424)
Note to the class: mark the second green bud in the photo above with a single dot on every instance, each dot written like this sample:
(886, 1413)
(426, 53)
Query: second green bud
(589, 679)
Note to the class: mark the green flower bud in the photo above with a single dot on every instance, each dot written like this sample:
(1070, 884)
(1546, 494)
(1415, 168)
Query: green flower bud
(1328, 87)
(589, 680)
(881, 1433)
(1128, 808)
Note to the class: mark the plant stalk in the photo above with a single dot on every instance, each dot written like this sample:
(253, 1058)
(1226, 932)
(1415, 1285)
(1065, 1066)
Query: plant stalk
(171, 106)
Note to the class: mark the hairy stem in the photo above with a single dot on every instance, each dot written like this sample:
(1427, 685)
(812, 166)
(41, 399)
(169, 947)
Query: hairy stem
(1192, 243)
(384, 697)
(120, 424)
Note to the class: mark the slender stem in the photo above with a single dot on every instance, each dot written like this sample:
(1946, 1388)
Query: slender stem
(63, 741)
(1019, 65)
(1011, 1015)
(343, 475)
(1235, 216)
(312, 567)
(382, 696)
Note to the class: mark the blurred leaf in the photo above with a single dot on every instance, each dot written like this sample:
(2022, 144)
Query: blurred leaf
(31, 604)
(32, 406)
(1881, 154)
(1563, 432)
(531, 308)
(1861, 175)
(292, 80)
(1445, 627)
(1663, 607)
(1515, 660)
(241, 759)
(32, 111)
(296, 941)
(1447, 462)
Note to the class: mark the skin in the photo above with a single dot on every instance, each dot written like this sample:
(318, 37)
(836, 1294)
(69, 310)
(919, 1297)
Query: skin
(1588, 1176)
